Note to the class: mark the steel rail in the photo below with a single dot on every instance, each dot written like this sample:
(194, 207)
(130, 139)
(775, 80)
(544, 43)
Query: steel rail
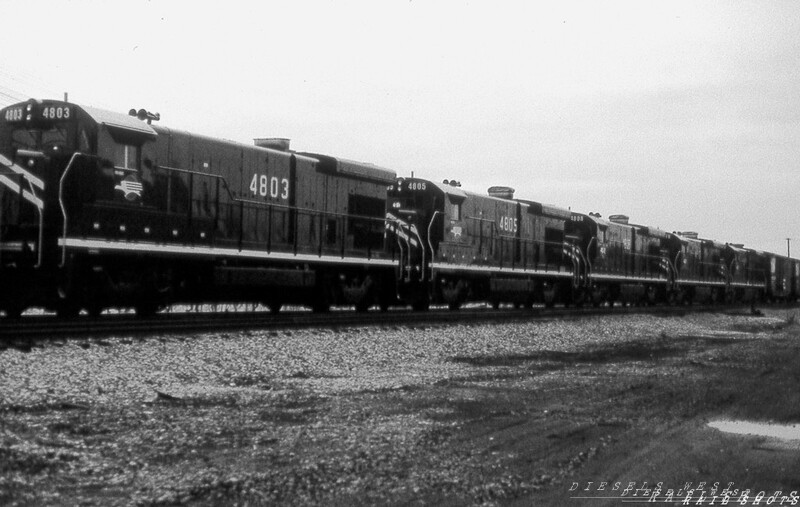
(46, 327)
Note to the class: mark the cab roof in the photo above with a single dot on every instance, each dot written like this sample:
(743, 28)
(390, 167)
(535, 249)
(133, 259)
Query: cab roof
(119, 120)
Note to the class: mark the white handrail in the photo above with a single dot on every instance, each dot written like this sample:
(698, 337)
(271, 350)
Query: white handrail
(64, 209)
(430, 225)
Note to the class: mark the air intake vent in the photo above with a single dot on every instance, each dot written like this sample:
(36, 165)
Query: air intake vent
(689, 234)
(619, 219)
(273, 143)
(501, 192)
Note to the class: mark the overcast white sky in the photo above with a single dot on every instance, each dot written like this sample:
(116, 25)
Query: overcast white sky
(683, 115)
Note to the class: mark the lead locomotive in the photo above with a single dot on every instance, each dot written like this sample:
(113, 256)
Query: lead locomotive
(100, 209)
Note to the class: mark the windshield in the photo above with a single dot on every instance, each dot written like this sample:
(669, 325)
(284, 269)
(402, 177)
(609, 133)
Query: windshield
(54, 138)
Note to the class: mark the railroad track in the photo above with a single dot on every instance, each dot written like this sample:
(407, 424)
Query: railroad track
(43, 327)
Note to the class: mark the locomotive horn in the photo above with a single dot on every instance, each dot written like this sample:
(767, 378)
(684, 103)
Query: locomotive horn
(144, 114)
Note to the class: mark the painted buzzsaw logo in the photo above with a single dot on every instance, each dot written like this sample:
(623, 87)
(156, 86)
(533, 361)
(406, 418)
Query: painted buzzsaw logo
(130, 187)
(21, 181)
(399, 228)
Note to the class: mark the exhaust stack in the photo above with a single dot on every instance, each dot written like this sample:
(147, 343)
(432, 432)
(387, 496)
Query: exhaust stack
(273, 143)
(501, 192)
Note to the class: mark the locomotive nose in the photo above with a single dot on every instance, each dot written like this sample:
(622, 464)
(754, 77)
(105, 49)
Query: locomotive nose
(408, 215)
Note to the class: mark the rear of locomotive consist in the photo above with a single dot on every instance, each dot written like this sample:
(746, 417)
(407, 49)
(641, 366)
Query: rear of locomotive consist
(795, 266)
(103, 209)
(781, 276)
(456, 246)
(712, 272)
(746, 281)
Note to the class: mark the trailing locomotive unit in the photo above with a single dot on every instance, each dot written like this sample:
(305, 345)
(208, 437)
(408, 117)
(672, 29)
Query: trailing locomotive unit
(99, 209)
(641, 264)
(703, 270)
(745, 279)
(456, 246)
(624, 262)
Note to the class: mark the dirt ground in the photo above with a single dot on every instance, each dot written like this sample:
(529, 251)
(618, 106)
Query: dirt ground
(603, 423)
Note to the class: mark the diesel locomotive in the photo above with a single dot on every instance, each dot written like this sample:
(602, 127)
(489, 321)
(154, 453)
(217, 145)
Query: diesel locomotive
(101, 209)
(455, 246)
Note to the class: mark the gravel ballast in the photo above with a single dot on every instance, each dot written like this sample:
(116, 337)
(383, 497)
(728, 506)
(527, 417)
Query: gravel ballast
(361, 415)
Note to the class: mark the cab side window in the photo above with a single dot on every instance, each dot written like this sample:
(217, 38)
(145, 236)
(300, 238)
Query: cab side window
(455, 207)
(84, 144)
(126, 156)
(455, 211)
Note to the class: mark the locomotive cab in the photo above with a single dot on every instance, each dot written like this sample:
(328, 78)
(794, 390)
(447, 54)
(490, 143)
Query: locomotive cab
(38, 141)
(412, 207)
(50, 149)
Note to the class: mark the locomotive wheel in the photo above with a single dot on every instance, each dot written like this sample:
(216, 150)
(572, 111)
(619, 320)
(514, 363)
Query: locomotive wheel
(321, 302)
(528, 303)
(94, 309)
(650, 297)
(678, 297)
(320, 307)
(145, 307)
(452, 292)
(385, 299)
(550, 294)
(596, 296)
(68, 306)
(579, 297)
(152, 289)
(359, 292)
(14, 311)
(149, 303)
(321, 298)
(421, 304)
(67, 310)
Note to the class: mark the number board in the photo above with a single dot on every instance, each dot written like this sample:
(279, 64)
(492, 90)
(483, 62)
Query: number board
(38, 112)
(265, 186)
(13, 114)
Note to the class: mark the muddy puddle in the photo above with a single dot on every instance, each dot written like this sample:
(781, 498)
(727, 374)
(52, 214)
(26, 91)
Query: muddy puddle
(783, 436)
